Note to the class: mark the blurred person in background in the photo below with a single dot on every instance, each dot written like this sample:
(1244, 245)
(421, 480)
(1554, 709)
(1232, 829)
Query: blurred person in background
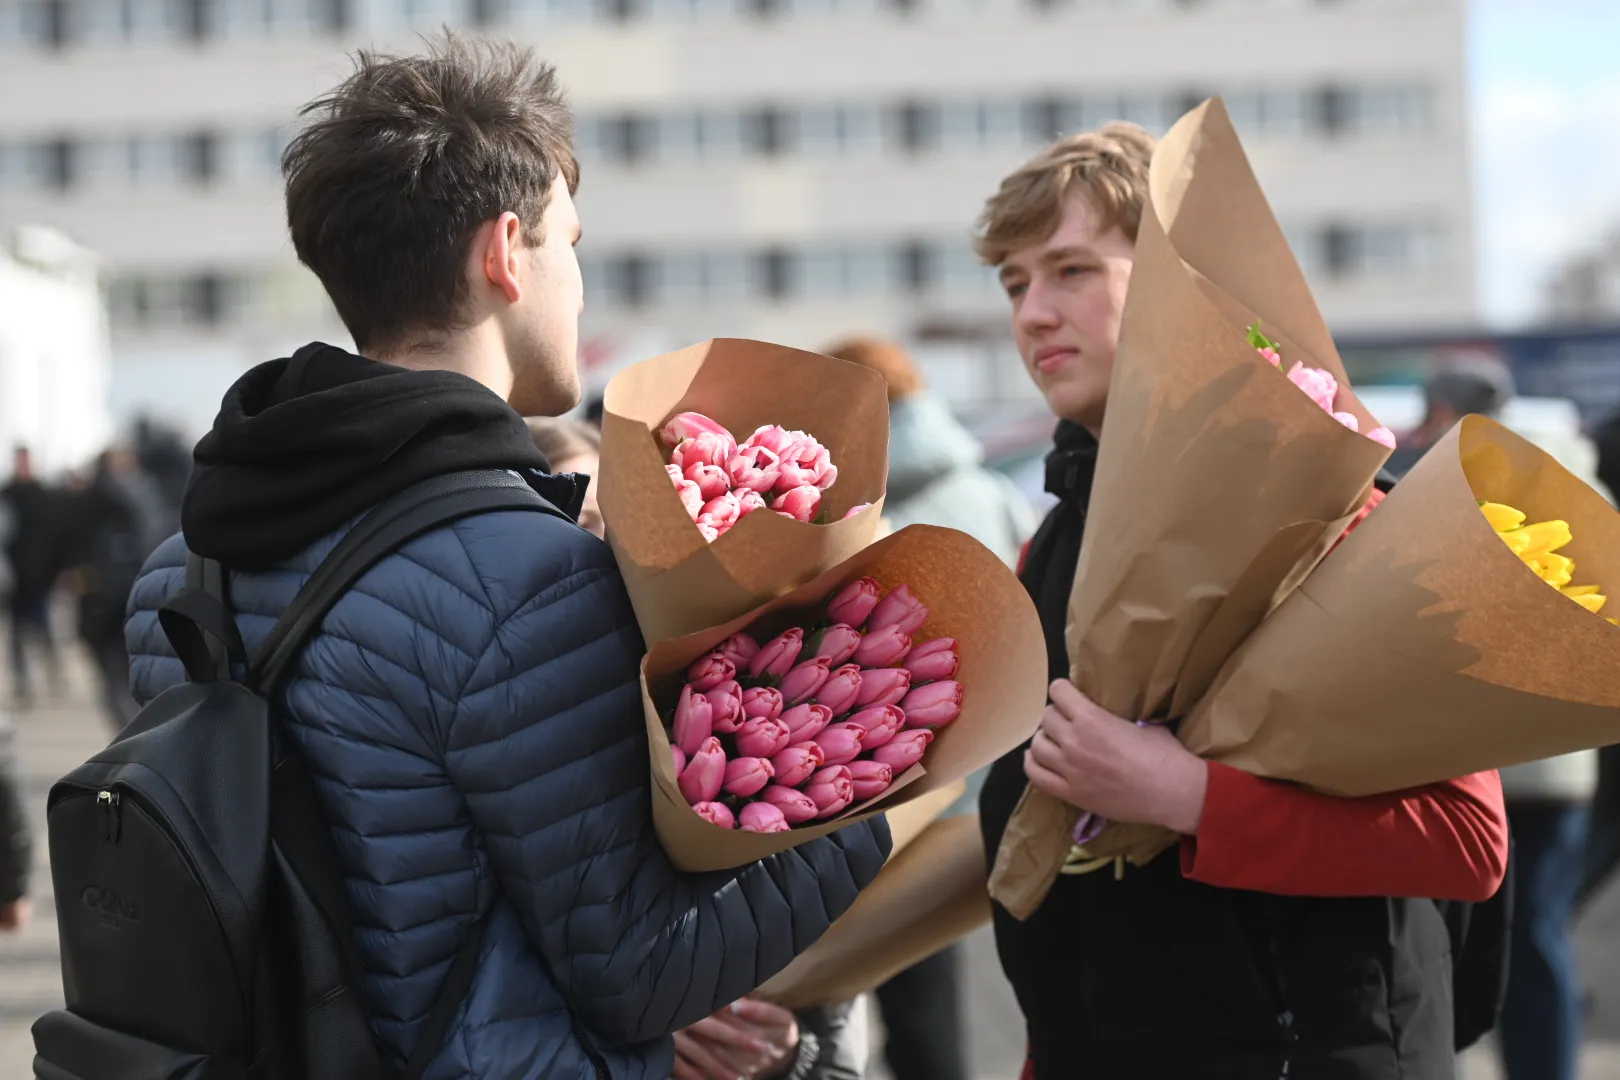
(936, 477)
(1603, 843)
(573, 446)
(1478, 384)
(16, 847)
(166, 459)
(26, 521)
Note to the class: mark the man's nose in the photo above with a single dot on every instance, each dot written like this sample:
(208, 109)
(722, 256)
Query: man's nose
(1037, 312)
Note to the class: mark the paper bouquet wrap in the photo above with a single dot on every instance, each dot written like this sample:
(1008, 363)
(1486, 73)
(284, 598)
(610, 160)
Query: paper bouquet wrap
(1218, 483)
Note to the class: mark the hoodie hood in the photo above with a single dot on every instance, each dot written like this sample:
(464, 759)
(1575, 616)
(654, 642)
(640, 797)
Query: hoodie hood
(304, 445)
(926, 442)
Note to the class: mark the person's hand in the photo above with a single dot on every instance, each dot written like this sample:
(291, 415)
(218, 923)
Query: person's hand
(1092, 759)
(14, 916)
(747, 1041)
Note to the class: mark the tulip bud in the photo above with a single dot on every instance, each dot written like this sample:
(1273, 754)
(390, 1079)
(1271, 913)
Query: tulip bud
(709, 448)
(746, 775)
(777, 657)
(738, 648)
(748, 502)
(754, 468)
(904, 750)
(726, 702)
(694, 721)
(855, 602)
(796, 806)
(680, 759)
(762, 817)
(837, 643)
(689, 425)
(872, 778)
(691, 497)
(761, 701)
(934, 705)
(774, 438)
(676, 476)
(1318, 385)
(710, 671)
(716, 814)
(841, 743)
(807, 721)
(900, 609)
(1383, 437)
(801, 684)
(839, 691)
(711, 480)
(832, 790)
(883, 648)
(704, 773)
(933, 660)
(762, 737)
(854, 510)
(880, 722)
(883, 686)
(722, 511)
(795, 764)
(709, 533)
(801, 502)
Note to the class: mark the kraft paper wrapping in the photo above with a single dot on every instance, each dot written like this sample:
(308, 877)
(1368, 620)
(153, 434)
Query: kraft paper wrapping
(971, 596)
(680, 584)
(1218, 483)
(930, 895)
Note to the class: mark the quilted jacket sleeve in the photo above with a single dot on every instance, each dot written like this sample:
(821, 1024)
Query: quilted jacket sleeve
(548, 746)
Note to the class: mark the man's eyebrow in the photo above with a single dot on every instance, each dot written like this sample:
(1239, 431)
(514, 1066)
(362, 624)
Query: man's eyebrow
(1065, 253)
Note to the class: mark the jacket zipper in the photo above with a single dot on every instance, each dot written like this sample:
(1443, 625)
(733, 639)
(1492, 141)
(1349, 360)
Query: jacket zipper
(112, 818)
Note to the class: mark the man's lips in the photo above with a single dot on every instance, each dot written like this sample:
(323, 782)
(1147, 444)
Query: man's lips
(1052, 357)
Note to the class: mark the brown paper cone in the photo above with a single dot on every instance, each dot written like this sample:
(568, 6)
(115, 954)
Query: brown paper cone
(680, 584)
(971, 596)
(929, 896)
(1423, 649)
(1218, 481)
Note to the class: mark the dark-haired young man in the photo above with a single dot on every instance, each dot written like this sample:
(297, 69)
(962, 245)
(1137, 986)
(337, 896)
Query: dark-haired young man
(470, 711)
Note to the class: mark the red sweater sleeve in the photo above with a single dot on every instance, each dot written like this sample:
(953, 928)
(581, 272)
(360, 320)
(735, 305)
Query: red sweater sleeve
(1446, 841)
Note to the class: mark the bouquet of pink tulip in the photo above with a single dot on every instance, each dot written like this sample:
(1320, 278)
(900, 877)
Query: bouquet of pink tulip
(802, 727)
(721, 481)
(1318, 385)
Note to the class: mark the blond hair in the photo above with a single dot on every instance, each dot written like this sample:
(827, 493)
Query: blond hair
(1109, 165)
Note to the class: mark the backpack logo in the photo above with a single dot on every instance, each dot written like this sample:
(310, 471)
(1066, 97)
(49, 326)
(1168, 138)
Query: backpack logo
(109, 904)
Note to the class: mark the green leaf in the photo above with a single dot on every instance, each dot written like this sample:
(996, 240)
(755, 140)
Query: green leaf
(1259, 340)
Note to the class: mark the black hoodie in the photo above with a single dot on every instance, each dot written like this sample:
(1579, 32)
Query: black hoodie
(303, 445)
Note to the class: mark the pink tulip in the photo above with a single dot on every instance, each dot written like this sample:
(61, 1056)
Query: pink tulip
(725, 701)
(1382, 436)
(839, 691)
(704, 773)
(795, 764)
(900, 609)
(754, 468)
(691, 497)
(805, 462)
(800, 503)
(762, 817)
(694, 721)
(841, 743)
(854, 603)
(675, 474)
(680, 759)
(854, 510)
(746, 775)
(837, 643)
(738, 648)
(709, 448)
(711, 480)
(796, 806)
(762, 737)
(1272, 355)
(1348, 420)
(801, 684)
(871, 778)
(748, 502)
(778, 656)
(774, 438)
(710, 671)
(832, 789)
(904, 750)
(883, 686)
(807, 721)
(881, 724)
(722, 511)
(761, 701)
(709, 533)
(934, 705)
(933, 660)
(883, 648)
(716, 814)
(689, 425)
(1318, 385)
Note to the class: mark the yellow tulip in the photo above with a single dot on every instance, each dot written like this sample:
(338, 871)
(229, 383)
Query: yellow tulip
(1572, 591)
(1502, 518)
(1543, 536)
(1555, 570)
(1592, 602)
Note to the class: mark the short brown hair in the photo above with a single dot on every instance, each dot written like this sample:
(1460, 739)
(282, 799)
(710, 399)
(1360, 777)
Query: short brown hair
(561, 438)
(886, 358)
(1110, 165)
(405, 160)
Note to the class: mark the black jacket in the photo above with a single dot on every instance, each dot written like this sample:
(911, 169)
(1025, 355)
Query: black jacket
(1153, 975)
(16, 850)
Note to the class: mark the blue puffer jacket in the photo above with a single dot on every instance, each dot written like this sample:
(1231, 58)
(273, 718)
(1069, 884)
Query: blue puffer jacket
(472, 716)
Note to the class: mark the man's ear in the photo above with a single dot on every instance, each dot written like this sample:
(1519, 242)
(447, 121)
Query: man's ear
(503, 247)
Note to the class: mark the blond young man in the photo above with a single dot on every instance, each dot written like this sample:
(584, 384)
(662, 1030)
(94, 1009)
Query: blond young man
(1277, 943)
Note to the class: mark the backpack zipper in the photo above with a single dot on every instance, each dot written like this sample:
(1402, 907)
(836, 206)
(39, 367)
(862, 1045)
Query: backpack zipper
(112, 824)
